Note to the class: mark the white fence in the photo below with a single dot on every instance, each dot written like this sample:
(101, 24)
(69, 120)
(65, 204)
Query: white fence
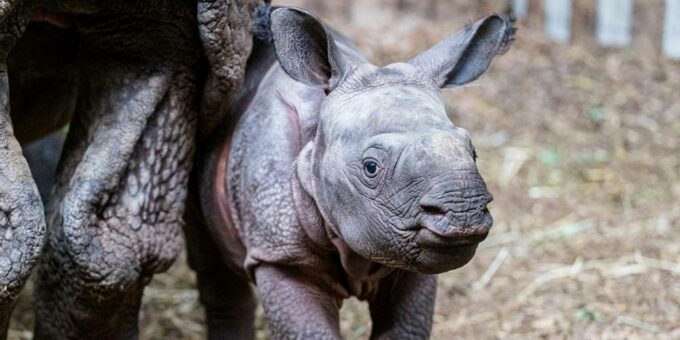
(614, 22)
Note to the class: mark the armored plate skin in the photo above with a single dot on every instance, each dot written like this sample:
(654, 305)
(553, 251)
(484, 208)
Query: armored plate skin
(137, 79)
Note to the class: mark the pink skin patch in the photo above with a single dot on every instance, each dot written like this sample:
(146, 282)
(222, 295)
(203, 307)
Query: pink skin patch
(60, 20)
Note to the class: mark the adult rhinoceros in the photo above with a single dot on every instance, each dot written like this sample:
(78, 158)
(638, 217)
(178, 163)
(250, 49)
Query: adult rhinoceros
(137, 80)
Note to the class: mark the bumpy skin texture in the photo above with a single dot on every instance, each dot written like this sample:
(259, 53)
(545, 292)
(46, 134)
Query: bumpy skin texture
(117, 220)
(22, 223)
(342, 179)
(130, 73)
(226, 35)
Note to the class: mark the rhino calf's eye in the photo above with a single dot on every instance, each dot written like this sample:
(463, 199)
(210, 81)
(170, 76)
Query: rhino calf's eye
(371, 168)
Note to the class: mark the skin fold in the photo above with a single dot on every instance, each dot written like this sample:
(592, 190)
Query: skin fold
(331, 178)
(136, 81)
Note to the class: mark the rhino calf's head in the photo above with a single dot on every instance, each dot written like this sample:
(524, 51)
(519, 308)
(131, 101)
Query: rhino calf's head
(392, 176)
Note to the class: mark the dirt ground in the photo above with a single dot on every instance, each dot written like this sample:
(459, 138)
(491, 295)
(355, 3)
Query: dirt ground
(580, 146)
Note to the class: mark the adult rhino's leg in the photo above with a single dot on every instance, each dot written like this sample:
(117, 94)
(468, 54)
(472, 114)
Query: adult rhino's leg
(22, 222)
(116, 212)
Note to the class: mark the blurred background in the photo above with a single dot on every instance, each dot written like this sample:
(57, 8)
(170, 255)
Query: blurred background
(580, 145)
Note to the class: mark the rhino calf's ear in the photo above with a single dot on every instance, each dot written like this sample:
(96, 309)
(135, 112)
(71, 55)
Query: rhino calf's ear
(465, 55)
(306, 49)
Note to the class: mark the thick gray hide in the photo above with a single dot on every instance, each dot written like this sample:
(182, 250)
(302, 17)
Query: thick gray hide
(135, 78)
(339, 179)
(22, 222)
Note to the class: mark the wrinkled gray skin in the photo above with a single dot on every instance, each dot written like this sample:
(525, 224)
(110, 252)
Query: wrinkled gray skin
(340, 179)
(135, 78)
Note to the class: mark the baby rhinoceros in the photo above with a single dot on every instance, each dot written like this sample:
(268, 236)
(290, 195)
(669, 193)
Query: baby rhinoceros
(338, 179)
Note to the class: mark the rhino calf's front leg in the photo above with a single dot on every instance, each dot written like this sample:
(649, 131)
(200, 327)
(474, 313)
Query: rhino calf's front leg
(22, 222)
(296, 307)
(403, 306)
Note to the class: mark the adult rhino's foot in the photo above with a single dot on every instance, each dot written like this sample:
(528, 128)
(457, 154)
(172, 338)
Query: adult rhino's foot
(22, 222)
(116, 213)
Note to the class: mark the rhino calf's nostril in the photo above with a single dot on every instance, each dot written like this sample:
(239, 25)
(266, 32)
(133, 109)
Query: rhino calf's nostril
(431, 208)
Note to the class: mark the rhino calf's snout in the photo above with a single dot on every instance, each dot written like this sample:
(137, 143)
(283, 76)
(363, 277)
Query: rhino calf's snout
(457, 209)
